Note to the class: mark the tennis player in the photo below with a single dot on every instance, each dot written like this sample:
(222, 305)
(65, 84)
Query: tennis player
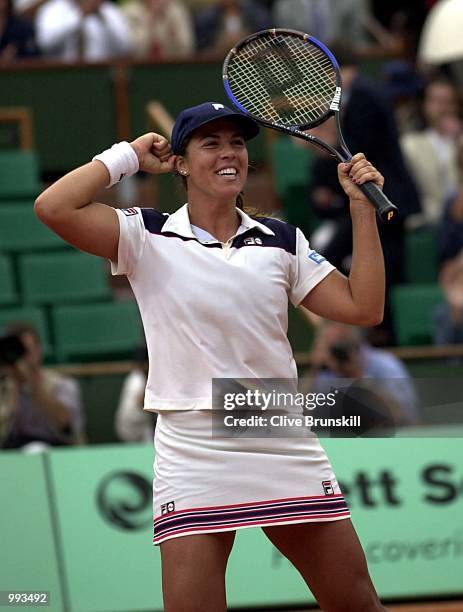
(212, 285)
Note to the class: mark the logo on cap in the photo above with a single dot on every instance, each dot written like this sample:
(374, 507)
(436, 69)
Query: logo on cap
(218, 106)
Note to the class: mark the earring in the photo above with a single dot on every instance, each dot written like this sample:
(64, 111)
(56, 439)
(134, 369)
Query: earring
(183, 172)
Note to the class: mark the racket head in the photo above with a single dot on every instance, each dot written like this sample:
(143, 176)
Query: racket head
(283, 77)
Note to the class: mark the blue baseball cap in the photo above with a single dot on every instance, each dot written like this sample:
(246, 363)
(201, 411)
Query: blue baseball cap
(194, 117)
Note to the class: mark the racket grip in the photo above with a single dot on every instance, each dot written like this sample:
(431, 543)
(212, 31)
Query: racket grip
(384, 207)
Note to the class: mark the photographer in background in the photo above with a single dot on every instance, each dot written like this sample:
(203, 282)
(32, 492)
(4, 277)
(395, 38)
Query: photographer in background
(36, 404)
(341, 352)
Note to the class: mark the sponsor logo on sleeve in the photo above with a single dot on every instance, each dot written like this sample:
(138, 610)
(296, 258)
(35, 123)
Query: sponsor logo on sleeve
(128, 212)
(316, 257)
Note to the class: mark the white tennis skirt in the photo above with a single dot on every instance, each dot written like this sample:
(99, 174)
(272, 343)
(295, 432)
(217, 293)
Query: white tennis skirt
(206, 484)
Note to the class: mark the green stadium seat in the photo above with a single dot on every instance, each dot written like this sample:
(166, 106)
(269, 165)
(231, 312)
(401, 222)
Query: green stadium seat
(29, 314)
(20, 230)
(421, 258)
(8, 293)
(412, 311)
(297, 210)
(291, 171)
(96, 331)
(19, 174)
(291, 164)
(63, 277)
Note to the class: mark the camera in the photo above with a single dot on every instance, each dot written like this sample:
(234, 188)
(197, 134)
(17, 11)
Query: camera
(342, 351)
(11, 350)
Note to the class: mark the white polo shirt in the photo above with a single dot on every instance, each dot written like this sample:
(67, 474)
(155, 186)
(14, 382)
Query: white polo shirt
(213, 310)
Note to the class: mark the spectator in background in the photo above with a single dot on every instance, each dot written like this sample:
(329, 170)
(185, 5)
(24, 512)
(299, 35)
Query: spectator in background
(404, 20)
(88, 30)
(403, 85)
(368, 125)
(222, 25)
(17, 37)
(159, 29)
(451, 226)
(37, 404)
(341, 351)
(132, 423)
(448, 316)
(333, 236)
(327, 20)
(430, 153)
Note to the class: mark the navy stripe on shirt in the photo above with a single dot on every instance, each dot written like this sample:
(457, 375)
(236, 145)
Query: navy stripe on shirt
(284, 238)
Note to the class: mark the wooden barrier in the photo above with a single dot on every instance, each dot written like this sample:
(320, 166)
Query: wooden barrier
(159, 118)
(406, 353)
(21, 116)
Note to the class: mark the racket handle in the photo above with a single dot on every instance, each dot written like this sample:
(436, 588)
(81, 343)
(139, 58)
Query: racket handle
(384, 207)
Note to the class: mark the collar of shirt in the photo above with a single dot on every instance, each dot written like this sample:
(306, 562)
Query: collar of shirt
(179, 223)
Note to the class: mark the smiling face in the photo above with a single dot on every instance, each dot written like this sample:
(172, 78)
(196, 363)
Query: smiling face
(215, 162)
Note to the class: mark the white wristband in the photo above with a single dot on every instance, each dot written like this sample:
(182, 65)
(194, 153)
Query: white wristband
(120, 161)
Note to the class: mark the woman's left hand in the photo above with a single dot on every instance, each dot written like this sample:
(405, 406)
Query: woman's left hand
(356, 172)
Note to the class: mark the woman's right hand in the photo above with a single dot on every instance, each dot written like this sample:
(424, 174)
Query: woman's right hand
(154, 153)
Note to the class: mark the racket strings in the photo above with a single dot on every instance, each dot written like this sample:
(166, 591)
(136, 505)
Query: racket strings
(282, 79)
(300, 84)
(292, 84)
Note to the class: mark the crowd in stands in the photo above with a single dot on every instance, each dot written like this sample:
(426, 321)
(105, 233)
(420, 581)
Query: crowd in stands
(101, 30)
(41, 408)
(410, 125)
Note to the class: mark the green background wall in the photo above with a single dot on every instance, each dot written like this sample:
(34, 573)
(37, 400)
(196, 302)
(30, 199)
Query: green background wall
(74, 107)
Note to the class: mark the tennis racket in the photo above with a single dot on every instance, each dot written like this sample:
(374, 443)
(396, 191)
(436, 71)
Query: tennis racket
(289, 81)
